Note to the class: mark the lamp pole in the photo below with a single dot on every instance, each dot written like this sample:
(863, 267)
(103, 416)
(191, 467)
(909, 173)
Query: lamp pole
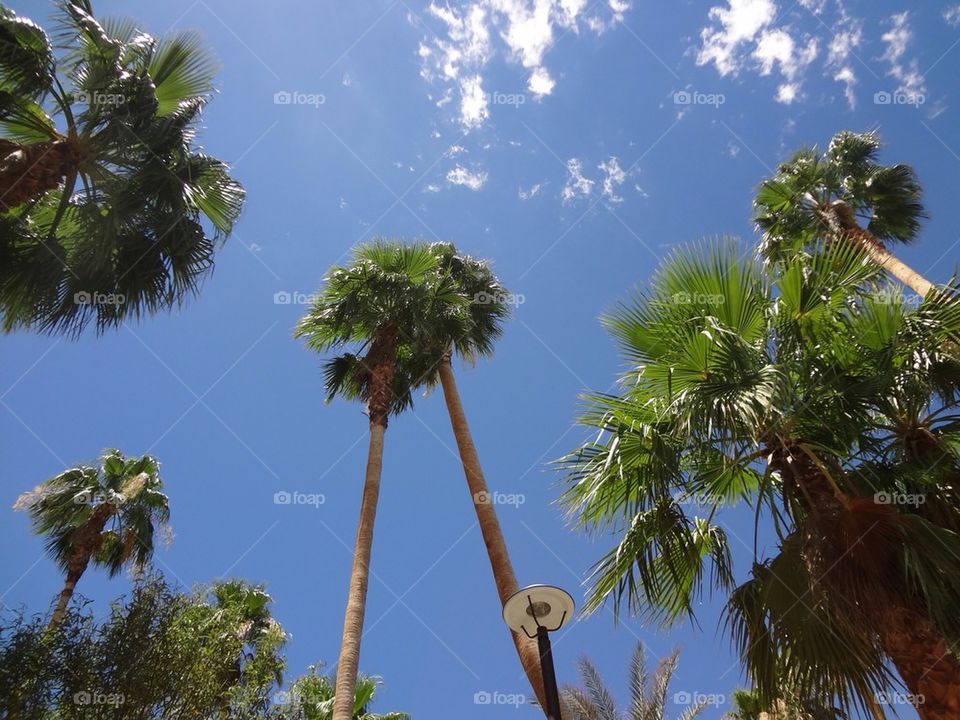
(546, 609)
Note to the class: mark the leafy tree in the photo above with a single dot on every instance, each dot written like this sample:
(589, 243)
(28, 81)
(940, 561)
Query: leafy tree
(845, 195)
(747, 706)
(107, 515)
(380, 306)
(649, 695)
(822, 402)
(108, 207)
(159, 655)
(310, 697)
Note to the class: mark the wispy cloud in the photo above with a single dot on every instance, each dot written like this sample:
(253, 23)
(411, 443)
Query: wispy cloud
(470, 180)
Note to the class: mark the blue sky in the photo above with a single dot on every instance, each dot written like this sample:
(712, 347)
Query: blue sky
(573, 144)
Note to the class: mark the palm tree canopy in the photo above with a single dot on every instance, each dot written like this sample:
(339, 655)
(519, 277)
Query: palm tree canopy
(311, 698)
(649, 694)
(388, 286)
(62, 505)
(129, 210)
(793, 207)
(734, 380)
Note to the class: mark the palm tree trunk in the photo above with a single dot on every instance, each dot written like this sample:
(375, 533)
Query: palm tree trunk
(379, 363)
(29, 171)
(928, 668)
(503, 575)
(73, 576)
(896, 267)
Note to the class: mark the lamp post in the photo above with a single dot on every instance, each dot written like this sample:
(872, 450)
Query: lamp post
(543, 609)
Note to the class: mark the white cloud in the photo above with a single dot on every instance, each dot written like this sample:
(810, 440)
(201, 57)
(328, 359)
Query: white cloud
(540, 83)
(530, 192)
(776, 47)
(474, 108)
(346, 80)
(455, 150)
(849, 80)
(952, 15)
(431, 188)
(787, 93)
(613, 177)
(577, 186)
(526, 30)
(470, 180)
(897, 39)
(739, 23)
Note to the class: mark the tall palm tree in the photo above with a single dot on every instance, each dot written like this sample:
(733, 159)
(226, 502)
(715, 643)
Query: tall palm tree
(843, 194)
(648, 694)
(747, 706)
(380, 305)
(108, 207)
(831, 412)
(107, 515)
(488, 303)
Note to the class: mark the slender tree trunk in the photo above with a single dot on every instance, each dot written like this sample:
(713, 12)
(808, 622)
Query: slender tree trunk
(379, 362)
(929, 670)
(73, 576)
(844, 221)
(503, 574)
(29, 171)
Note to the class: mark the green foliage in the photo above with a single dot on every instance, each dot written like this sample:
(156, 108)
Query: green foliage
(134, 226)
(310, 697)
(796, 206)
(160, 654)
(649, 694)
(62, 506)
(744, 387)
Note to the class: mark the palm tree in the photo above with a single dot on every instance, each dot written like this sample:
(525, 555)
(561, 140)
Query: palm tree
(648, 695)
(311, 698)
(747, 706)
(107, 515)
(389, 297)
(108, 208)
(245, 609)
(843, 193)
(829, 410)
(488, 307)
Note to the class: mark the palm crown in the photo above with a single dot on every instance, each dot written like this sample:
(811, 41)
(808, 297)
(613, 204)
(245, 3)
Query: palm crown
(108, 208)
(128, 489)
(807, 400)
(391, 293)
(817, 194)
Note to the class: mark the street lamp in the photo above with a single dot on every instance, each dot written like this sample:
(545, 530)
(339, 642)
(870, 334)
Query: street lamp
(543, 609)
